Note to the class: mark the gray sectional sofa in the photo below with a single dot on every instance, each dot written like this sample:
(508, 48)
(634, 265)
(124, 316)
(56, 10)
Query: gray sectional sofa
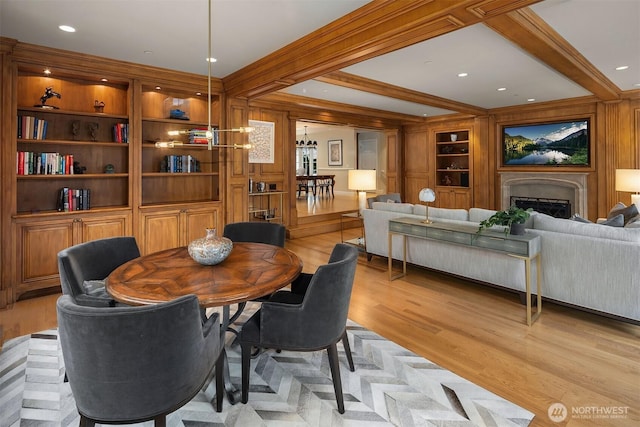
(589, 266)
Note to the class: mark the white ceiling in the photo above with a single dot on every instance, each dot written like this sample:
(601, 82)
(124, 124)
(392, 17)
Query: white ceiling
(606, 32)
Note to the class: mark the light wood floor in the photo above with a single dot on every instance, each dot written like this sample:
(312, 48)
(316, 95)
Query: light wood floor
(581, 360)
(341, 202)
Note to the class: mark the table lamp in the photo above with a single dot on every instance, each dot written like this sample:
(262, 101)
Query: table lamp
(427, 196)
(362, 180)
(628, 180)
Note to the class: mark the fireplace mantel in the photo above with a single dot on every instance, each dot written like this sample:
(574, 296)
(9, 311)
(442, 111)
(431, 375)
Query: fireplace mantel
(551, 185)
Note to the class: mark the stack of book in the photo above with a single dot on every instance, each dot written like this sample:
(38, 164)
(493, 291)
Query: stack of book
(31, 163)
(30, 127)
(70, 199)
(198, 136)
(121, 132)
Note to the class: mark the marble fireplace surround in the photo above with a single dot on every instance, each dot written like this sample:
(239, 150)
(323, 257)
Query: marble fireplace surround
(549, 185)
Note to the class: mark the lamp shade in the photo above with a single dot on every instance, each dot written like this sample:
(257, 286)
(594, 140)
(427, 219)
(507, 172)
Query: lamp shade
(361, 180)
(628, 180)
(427, 195)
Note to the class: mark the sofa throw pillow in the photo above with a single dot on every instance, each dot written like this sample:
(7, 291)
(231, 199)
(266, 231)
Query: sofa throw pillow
(630, 212)
(616, 221)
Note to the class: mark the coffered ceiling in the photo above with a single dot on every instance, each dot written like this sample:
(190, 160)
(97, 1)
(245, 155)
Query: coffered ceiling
(401, 58)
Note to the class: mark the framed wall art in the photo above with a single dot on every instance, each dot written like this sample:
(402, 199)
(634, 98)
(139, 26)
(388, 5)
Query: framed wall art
(262, 140)
(335, 152)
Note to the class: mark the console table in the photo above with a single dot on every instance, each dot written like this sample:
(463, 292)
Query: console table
(525, 247)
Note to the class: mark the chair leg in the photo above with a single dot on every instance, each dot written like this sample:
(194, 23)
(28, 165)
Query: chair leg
(335, 374)
(347, 351)
(86, 422)
(160, 421)
(219, 382)
(246, 362)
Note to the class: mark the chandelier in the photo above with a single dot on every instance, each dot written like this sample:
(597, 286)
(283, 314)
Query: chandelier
(306, 141)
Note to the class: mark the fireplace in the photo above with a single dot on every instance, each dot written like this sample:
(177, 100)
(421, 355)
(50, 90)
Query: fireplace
(555, 207)
(570, 187)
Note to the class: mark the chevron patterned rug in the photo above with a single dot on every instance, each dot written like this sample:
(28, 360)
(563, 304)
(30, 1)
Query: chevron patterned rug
(391, 386)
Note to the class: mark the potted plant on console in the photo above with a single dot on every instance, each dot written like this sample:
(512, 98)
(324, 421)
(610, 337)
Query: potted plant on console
(513, 219)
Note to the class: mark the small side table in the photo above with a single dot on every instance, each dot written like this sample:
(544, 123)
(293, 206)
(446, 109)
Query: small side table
(358, 242)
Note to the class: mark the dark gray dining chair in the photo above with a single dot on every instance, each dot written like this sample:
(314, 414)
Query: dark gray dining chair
(270, 233)
(258, 232)
(299, 288)
(83, 268)
(318, 322)
(134, 364)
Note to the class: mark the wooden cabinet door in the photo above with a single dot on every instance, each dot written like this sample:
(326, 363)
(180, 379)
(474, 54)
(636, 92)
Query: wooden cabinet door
(103, 227)
(160, 230)
(453, 198)
(196, 221)
(38, 245)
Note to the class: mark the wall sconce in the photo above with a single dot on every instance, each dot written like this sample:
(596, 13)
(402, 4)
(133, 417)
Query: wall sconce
(427, 196)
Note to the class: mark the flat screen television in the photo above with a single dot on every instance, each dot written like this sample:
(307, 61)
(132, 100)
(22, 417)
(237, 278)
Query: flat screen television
(561, 143)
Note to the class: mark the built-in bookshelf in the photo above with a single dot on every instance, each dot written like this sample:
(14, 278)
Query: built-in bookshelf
(452, 158)
(181, 169)
(66, 143)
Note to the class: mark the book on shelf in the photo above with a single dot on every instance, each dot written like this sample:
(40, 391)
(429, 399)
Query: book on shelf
(70, 199)
(176, 163)
(30, 127)
(32, 163)
(121, 132)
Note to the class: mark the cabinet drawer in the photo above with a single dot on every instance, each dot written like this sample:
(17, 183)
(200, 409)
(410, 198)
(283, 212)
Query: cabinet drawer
(498, 244)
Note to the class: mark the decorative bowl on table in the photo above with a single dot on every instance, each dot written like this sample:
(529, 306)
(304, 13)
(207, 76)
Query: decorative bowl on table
(210, 249)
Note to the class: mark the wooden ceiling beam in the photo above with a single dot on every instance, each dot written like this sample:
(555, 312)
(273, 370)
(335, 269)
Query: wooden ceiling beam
(352, 81)
(379, 27)
(531, 33)
(305, 102)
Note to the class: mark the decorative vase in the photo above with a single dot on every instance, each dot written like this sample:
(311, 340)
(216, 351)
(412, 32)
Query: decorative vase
(516, 229)
(210, 249)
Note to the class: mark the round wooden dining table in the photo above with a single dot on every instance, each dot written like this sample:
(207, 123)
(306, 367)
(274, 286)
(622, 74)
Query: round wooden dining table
(250, 271)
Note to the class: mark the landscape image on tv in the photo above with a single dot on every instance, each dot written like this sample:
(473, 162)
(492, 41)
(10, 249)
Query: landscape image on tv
(552, 144)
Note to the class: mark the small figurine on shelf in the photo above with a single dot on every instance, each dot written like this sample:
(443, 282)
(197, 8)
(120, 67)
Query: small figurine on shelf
(109, 168)
(75, 129)
(48, 93)
(98, 106)
(446, 180)
(93, 130)
(77, 169)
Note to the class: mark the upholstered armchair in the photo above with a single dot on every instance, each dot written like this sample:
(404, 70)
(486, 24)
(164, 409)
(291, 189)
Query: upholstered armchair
(257, 232)
(133, 364)
(317, 322)
(84, 267)
(389, 198)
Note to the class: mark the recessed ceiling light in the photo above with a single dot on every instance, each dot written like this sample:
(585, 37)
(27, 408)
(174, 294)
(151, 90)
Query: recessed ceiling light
(463, 74)
(212, 60)
(501, 89)
(198, 93)
(531, 99)
(158, 88)
(104, 80)
(636, 84)
(67, 28)
(47, 71)
(622, 67)
(148, 52)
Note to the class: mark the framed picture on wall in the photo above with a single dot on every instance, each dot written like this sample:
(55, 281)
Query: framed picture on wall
(335, 152)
